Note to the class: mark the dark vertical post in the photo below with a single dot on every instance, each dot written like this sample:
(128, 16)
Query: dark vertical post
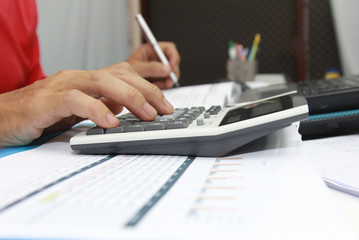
(302, 40)
(145, 13)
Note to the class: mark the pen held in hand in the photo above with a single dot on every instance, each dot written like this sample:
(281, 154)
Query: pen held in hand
(151, 38)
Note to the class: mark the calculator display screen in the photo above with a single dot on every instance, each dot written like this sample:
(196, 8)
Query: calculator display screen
(257, 109)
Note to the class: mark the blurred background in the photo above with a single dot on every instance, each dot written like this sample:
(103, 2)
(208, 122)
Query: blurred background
(299, 38)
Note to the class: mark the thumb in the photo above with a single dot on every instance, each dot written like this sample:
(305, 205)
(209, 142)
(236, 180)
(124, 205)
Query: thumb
(152, 69)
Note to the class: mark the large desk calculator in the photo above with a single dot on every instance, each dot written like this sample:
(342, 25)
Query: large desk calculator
(197, 131)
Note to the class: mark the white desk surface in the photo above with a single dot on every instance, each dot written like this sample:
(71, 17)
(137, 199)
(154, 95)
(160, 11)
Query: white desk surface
(349, 206)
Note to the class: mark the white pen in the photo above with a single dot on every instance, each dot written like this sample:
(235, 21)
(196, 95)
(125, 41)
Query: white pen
(149, 35)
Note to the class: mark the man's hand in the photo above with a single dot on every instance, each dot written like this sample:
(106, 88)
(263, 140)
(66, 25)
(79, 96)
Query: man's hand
(65, 98)
(146, 62)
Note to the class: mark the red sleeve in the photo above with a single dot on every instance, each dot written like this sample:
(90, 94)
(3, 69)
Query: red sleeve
(35, 71)
(19, 48)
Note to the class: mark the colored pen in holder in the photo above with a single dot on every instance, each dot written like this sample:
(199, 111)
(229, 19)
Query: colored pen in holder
(242, 65)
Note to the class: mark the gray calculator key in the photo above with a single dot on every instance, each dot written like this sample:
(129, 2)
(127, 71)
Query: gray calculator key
(155, 126)
(194, 113)
(213, 111)
(163, 121)
(115, 130)
(207, 115)
(185, 120)
(135, 128)
(124, 123)
(132, 119)
(200, 122)
(181, 109)
(177, 124)
(144, 124)
(187, 115)
(202, 109)
(170, 117)
(95, 130)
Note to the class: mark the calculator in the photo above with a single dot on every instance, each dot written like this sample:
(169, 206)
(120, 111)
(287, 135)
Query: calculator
(194, 131)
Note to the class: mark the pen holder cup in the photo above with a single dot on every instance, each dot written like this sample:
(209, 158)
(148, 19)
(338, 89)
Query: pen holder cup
(241, 71)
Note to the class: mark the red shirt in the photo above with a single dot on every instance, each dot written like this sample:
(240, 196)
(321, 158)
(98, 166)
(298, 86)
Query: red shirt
(19, 47)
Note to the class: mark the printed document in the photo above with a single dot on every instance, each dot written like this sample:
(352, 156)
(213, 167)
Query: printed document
(336, 160)
(270, 193)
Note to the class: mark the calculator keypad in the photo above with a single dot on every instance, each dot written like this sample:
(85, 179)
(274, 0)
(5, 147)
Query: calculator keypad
(180, 118)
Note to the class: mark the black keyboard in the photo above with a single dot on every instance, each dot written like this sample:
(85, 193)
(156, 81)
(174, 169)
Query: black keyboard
(333, 107)
(324, 96)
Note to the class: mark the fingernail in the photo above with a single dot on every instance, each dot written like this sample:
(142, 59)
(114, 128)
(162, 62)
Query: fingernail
(149, 110)
(167, 104)
(166, 69)
(111, 119)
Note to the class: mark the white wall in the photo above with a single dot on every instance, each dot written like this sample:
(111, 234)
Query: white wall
(82, 34)
(346, 22)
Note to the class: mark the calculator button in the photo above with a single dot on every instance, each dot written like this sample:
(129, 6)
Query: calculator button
(144, 124)
(202, 109)
(163, 121)
(200, 122)
(95, 130)
(194, 113)
(181, 109)
(189, 116)
(177, 124)
(170, 116)
(155, 126)
(213, 112)
(115, 130)
(196, 109)
(185, 120)
(207, 115)
(123, 123)
(132, 119)
(135, 128)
